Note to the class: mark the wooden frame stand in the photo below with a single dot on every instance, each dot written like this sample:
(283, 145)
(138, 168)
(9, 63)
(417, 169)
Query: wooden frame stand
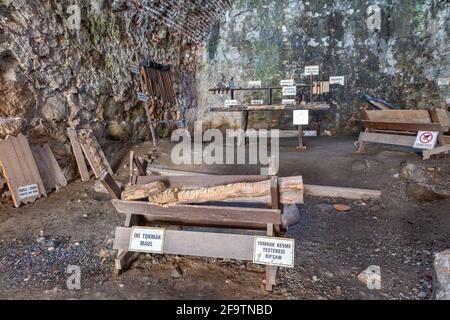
(400, 127)
(236, 225)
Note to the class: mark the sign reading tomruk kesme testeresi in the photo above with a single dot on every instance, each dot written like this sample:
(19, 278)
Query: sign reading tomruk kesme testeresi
(146, 239)
(426, 140)
(274, 251)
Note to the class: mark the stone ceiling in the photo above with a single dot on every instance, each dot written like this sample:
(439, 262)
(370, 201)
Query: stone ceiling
(193, 19)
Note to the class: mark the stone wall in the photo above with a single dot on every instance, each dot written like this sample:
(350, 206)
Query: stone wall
(63, 66)
(398, 57)
(54, 74)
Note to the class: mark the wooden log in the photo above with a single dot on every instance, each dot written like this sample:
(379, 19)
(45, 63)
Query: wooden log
(139, 192)
(343, 193)
(228, 191)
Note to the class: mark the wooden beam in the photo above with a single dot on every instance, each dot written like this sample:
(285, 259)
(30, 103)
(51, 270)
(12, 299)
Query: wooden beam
(108, 182)
(273, 107)
(400, 140)
(343, 193)
(76, 147)
(408, 116)
(199, 244)
(401, 126)
(201, 215)
(442, 149)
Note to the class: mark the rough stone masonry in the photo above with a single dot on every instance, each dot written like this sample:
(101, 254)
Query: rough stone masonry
(393, 49)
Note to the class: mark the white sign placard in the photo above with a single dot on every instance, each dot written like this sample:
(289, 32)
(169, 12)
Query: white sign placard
(230, 103)
(290, 91)
(274, 251)
(145, 239)
(142, 97)
(312, 70)
(254, 84)
(426, 140)
(442, 82)
(287, 83)
(309, 133)
(288, 101)
(134, 68)
(301, 117)
(337, 80)
(29, 191)
(256, 102)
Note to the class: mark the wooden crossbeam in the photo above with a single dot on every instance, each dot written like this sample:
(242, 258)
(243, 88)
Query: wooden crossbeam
(250, 218)
(199, 244)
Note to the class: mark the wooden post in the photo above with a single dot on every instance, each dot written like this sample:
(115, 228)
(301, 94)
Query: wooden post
(300, 138)
(271, 271)
(244, 125)
(125, 257)
(131, 164)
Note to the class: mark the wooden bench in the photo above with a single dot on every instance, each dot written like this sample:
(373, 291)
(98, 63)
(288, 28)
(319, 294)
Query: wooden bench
(237, 226)
(400, 127)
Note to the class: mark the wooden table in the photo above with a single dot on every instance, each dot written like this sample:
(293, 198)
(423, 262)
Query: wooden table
(317, 106)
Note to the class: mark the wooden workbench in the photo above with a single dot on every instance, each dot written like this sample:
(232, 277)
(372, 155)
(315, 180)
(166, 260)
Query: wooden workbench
(317, 106)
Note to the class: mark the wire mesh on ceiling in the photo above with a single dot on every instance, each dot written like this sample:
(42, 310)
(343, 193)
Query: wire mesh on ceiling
(193, 19)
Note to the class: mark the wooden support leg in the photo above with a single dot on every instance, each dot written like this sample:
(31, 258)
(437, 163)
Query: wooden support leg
(271, 271)
(125, 257)
(300, 138)
(244, 125)
(361, 145)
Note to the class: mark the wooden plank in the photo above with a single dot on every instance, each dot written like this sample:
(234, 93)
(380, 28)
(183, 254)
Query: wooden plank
(443, 118)
(320, 106)
(93, 152)
(201, 215)
(199, 244)
(171, 172)
(401, 126)
(344, 193)
(399, 140)
(408, 116)
(113, 188)
(76, 147)
(9, 163)
(139, 166)
(25, 154)
(442, 149)
(19, 168)
(49, 169)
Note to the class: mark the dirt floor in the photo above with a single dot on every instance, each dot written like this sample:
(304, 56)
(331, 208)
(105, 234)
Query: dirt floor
(75, 226)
